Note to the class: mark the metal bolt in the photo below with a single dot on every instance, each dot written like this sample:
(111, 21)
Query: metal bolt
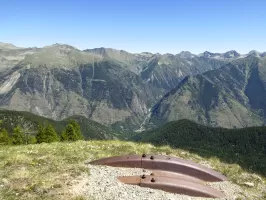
(143, 176)
(143, 155)
(152, 157)
(153, 180)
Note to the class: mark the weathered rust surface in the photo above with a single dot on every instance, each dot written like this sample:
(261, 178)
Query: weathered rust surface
(176, 176)
(164, 163)
(173, 185)
(167, 163)
(120, 161)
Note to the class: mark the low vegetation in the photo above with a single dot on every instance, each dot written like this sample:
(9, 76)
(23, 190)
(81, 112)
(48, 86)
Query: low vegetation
(48, 171)
(43, 164)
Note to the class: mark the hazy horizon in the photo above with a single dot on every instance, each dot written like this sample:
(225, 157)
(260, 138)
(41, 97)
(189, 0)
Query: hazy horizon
(130, 51)
(137, 26)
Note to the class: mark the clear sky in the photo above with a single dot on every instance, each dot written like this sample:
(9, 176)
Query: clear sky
(137, 25)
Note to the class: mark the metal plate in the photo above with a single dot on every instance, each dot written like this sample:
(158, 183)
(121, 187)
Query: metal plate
(167, 163)
(120, 161)
(176, 176)
(163, 163)
(173, 185)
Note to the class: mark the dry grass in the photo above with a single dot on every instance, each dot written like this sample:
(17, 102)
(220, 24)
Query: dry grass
(47, 171)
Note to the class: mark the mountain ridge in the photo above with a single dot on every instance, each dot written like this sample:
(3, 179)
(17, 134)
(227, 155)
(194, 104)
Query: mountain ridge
(229, 89)
(113, 87)
(2, 44)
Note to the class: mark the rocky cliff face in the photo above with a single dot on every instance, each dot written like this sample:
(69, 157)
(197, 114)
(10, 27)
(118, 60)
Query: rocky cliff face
(60, 81)
(11, 55)
(118, 89)
(166, 71)
(231, 96)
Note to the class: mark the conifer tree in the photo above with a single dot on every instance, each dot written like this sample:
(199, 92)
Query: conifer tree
(76, 127)
(63, 136)
(4, 137)
(46, 134)
(72, 132)
(50, 134)
(17, 136)
(40, 136)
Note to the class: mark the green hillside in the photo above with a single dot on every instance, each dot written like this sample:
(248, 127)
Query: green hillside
(29, 122)
(246, 146)
(51, 171)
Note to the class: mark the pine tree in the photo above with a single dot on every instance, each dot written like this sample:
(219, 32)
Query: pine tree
(40, 136)
(4, 137)
(17, 136)
(70, 134)
(63, 136)
(50, 134)
(76, 127)
(46, 134)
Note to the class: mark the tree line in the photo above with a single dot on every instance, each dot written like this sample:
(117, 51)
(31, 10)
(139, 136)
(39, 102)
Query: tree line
(45, 134)
(245, 146)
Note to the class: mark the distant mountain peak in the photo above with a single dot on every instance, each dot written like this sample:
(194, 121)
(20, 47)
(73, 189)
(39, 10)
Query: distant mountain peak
(185, 54)
(231, 54)
(263, 54)
(254, 53)
(8, 46)
(103, 50)
(227, 55)
(207, 54)
(61, 46)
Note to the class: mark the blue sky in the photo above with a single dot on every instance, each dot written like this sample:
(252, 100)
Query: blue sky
(137, 25)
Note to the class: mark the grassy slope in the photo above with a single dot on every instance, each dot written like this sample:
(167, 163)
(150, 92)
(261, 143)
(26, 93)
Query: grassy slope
(246, 147)
(43, 171)
(46, 171)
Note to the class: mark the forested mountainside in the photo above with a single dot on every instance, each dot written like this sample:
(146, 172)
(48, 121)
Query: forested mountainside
(245, 146)
(29, 124)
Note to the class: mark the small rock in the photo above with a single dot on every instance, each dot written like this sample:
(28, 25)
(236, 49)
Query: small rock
(249, 184)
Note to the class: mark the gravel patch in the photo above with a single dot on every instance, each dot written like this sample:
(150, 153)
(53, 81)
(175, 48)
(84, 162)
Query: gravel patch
(102, 184)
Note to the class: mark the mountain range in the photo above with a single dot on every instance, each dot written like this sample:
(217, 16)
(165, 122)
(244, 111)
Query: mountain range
(134, 91)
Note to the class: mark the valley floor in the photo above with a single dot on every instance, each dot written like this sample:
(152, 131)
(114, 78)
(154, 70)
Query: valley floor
(60, 171)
